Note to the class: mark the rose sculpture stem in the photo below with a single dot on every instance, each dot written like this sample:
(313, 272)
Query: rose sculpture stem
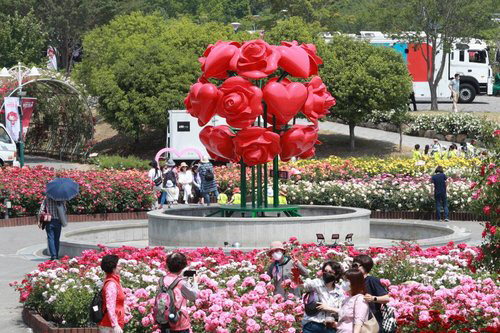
(243, 184)
(275, 174)
(253, 187)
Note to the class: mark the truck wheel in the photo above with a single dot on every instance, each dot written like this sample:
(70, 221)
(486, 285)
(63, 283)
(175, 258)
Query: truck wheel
(1, 163)
(467, 93)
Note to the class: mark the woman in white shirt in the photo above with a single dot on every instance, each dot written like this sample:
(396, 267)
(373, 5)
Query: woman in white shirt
(155, 175)
(185, 181)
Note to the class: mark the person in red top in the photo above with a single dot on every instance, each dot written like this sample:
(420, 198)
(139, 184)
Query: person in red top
(176, 263)
(113, 297)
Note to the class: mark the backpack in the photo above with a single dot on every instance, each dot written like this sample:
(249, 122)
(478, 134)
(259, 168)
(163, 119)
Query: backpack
(164, 310)
(310, 301)
(158, 180)
(170, 175)
(209, 175)
(96, 312)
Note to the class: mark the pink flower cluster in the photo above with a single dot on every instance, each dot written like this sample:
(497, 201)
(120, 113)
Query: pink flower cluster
(100, 191)
(236, 294)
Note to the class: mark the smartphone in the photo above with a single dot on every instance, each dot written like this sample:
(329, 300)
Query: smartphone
(189, 273)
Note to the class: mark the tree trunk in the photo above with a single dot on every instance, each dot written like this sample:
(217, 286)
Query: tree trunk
(351, 136)
(400, 138)
(434, 101)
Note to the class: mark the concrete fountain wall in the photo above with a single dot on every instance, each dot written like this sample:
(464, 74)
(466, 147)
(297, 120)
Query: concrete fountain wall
(188, 226)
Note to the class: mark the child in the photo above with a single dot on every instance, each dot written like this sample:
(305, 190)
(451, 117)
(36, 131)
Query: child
(222, 198)
(416, 153)
(282, 198)
(171, 192)
(236, 199)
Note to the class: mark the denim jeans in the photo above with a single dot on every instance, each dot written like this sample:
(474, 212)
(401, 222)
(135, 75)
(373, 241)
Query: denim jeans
(441, 201)
(314, 327)
(206, 196)
(53, 230)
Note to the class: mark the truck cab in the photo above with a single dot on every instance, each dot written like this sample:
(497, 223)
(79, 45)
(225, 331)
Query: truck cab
(8, 149)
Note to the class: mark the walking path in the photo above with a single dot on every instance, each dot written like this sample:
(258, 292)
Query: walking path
(21, 252)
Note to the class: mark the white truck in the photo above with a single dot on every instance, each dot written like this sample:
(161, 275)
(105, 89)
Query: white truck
(183, 132)
(8, 149)
(469, 59)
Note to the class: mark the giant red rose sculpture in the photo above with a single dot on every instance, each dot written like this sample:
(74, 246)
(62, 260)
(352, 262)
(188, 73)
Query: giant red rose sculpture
(247, 85)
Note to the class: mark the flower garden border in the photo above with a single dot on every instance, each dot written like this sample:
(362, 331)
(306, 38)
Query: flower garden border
(39, 325)
(29, 220)
(412, 215)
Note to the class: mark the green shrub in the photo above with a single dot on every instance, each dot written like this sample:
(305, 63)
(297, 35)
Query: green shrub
(120, 163)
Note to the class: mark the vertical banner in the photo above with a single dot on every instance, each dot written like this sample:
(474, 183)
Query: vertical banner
(52, 58)
(28, 108)
(12, 122)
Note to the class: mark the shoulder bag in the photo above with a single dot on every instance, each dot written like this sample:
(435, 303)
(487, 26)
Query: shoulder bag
(44, 216)
(369, 326)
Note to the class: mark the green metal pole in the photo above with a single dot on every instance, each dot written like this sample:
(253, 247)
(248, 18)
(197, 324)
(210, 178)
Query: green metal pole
(259, 175)
(275, 173)
(243, 183)
(253, 186)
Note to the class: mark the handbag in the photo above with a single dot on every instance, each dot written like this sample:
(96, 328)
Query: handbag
(389, 323)
(44, 216)
(369, 326)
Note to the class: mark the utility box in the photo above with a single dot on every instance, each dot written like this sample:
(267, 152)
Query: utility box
(183, 132)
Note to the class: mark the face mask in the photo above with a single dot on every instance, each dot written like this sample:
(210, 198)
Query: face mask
(278, 255)
(328, 277)
(346, 286)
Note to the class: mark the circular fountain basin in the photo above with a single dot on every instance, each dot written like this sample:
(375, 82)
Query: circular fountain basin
(189, 226)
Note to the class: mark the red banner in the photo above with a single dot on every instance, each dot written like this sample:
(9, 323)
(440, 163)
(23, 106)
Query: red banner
(28, 108)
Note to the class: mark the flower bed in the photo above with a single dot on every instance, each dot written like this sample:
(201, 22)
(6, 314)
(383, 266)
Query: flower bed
(447, 292)
(100, 191)
(384, 193)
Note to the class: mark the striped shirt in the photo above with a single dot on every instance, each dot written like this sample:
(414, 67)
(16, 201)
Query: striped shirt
(51, 207)
(333, 298)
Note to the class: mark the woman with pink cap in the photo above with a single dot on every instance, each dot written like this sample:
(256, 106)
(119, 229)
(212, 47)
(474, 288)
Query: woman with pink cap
(281, 268)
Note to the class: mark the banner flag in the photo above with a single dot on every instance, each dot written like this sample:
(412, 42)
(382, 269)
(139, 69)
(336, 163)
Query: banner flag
(28, 108)
(52, 61)
(12, 122)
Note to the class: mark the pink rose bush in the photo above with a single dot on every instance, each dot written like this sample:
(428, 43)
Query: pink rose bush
(433, 290)
(100, 191)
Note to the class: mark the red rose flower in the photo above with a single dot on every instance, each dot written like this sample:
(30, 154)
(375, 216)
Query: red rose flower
(257, 59)
(201, 102)
(240, 102)
(284, 99)
(219, 58)
(299, 61)
(319, 100)
(297, 141)
(493, 230)
(257, 145)
(218, 141)
(486, 210)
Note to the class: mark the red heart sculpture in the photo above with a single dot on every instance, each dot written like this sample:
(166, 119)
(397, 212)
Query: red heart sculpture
(218, 141)
(294, 59)
(284, 100)
(298, 141)
(201, 101)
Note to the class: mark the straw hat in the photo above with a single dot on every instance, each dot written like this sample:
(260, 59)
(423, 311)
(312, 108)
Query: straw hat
(204, 159)
(275, 245)
(183, 164)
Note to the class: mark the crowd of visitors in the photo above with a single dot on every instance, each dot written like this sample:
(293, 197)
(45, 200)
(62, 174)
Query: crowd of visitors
(196, 182)
(439, 152)
(338, 300)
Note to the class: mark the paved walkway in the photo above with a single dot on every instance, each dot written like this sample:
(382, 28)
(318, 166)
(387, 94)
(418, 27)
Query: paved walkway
(20, 253)
(373, 134)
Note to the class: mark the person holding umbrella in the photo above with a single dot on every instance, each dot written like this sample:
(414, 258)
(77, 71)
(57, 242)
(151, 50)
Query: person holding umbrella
(57, 193)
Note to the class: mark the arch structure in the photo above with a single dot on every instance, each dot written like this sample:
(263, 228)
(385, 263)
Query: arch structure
(62, 124)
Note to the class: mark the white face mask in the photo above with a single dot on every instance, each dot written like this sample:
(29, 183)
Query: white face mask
(278, 255)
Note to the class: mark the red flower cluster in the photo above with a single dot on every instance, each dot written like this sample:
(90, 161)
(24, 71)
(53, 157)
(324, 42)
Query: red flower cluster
(240, 102)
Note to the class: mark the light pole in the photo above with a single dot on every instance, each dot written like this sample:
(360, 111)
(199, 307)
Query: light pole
(236, 25)
(19, 72)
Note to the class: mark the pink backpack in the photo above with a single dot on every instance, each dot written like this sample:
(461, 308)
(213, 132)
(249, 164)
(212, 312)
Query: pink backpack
(166, 309)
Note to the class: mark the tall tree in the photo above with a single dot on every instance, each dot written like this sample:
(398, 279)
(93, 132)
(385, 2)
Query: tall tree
(434, 25)
(140, 66)
(22, 38)
(67, 22)
(363, 78)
